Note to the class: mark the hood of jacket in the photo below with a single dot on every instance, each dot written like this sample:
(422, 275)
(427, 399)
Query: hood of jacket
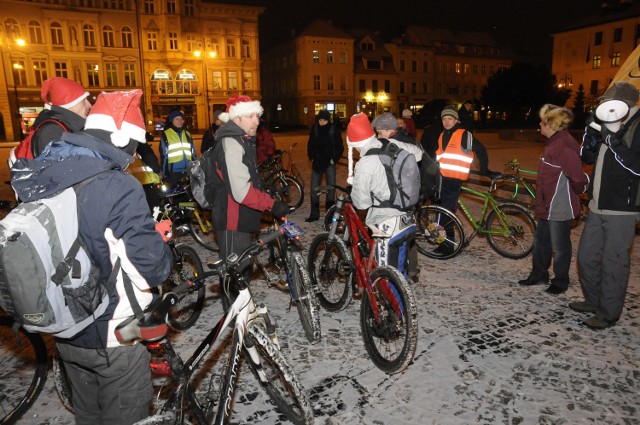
(72, 120)
(65, 163)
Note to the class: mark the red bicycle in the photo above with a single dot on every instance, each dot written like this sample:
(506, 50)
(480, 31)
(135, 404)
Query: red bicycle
(388, 309)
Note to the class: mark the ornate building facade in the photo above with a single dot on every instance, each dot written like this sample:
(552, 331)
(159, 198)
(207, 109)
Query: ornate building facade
(187, 54)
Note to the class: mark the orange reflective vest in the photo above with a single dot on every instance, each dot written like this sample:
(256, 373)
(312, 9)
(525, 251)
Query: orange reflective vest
(454, 162)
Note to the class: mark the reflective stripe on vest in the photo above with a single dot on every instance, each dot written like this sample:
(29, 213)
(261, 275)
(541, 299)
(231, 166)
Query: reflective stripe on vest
(142, 172)
(454, 162)
(178, 148)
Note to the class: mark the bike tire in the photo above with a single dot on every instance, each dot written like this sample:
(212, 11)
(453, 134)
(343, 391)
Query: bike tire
(278, 378)
(204, 237)
(186, 311)
(440, 234)
(28, 364)
(290, 190)
(391, 342)
(331, 276)
(305, 298)
(519, 242)
(62, 383)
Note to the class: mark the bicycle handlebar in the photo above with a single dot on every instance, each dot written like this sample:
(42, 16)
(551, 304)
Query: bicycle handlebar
(327, 188)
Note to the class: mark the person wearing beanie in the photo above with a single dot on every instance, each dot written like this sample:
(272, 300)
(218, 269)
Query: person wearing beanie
(238, 202)
(409, 124)
(66, 106)
(324, 149)
(176, 148)
(115, 225)
(370, 187)
(560, 181)
(455, 152)
(209, 137)
(614, 210)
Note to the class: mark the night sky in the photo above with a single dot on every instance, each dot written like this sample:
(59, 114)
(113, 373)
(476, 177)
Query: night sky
(525, 25)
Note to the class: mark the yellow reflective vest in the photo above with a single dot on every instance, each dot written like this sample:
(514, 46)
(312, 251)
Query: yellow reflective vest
(142, 172)
(178, 148)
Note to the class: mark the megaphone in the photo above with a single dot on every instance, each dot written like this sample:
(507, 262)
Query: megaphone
(611, 113)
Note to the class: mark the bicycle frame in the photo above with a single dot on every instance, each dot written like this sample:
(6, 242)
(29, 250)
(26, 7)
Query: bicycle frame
(479, 226)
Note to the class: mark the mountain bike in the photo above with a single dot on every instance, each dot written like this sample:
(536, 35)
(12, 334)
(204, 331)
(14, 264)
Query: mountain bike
(509, 227)
(287, 188)
(23, 370)
(293, 276)
(188, 218)
(190, 396)
(388, 314)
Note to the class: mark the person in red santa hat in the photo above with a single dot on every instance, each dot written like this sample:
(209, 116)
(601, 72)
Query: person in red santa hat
(114, 224)
(66, 106)
(239, 202)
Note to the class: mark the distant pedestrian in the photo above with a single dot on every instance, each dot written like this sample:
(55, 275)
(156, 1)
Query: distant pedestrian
(209, 137)
(560, 181)
(265, 143)
(324, 150)
(409, 124)
(614, 210)
(176, 148)
(465, 114)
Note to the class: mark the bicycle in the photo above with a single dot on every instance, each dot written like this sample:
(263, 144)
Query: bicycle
(25, 361)
(508, 226)
(286, 257)
(188, 218)
(253, 333)
(288, 188)
(388, 314)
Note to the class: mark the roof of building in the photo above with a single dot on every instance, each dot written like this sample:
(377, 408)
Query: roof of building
(323, 28)
(624, 10)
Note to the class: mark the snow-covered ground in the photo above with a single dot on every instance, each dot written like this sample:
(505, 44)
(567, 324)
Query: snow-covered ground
(489, 351)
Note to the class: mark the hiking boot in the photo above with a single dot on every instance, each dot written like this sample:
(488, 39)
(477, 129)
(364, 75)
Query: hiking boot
(582, 307)
(531, 281)
(597, 324)
(555, 290)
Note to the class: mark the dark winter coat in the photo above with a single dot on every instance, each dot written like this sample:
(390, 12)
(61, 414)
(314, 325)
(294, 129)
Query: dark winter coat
(324, 145)
(560, 179)
(238, 201)
(51, 131)
(113, 217)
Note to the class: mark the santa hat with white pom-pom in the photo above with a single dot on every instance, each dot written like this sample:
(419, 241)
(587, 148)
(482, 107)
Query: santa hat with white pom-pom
(359, 132)
(119, 113)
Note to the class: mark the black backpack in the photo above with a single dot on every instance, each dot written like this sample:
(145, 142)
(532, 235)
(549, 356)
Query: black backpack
(403, 176)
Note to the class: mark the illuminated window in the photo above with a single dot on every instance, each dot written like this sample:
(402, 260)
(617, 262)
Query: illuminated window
(597, 59)
(615, 59)
(187, 82)
(232, 80)
(217, 80)
(245, 49)
(329, 56)
(316, 55)
(19, 72)
(247, 80)
(93, 74)
(161, 82)
(111, 72)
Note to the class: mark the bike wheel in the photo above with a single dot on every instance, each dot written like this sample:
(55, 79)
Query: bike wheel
(305, 298)
(277, 377)
(202, 231)
(24, 369)
(185, 313)
(331, 272)
(289, 190)
(390, 339)
(62, 383)
(518, 229)
(440, 234)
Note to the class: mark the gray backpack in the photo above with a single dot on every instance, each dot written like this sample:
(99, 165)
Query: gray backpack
(48, 283)
(403, 176)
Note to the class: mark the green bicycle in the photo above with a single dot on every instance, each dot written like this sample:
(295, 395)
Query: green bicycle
(508, 226)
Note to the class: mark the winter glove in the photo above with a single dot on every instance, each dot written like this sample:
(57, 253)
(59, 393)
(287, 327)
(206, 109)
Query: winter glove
(491, 174)
(280, 209)
(612, 139)
(591, 138)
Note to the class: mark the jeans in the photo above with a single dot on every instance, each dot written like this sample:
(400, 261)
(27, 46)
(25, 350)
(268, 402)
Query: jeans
(316, 180)
(552, 239)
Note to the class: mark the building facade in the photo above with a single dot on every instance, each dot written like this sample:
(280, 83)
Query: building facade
(589, 53)
(186, 54)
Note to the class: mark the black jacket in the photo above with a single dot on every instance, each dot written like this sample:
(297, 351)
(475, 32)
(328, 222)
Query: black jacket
(325, 144)
(51, 131)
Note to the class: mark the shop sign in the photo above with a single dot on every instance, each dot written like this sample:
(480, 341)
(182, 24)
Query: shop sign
(174, 99)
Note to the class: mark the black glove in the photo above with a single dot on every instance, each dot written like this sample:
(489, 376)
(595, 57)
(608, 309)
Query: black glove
(280, 209)
(491, 174)
(611, 138)
(591, 138)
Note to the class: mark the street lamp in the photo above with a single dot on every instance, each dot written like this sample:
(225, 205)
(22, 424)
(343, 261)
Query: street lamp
(211, 55)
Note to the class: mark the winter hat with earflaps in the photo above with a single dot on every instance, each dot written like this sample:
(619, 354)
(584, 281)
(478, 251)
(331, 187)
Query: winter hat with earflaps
(62, 92)
(240, 106)
(119, 113)
(359, 132)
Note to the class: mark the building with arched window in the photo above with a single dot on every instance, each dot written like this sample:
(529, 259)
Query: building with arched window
(190, 55)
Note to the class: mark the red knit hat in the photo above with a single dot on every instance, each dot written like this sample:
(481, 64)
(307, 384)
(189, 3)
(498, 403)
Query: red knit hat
(62, 92)
(119, 113)
(241, 106)
(359, 132)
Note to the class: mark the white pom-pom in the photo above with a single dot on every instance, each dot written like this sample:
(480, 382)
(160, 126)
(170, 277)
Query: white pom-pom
(224, 117)
(119, 139)
(350, 180)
